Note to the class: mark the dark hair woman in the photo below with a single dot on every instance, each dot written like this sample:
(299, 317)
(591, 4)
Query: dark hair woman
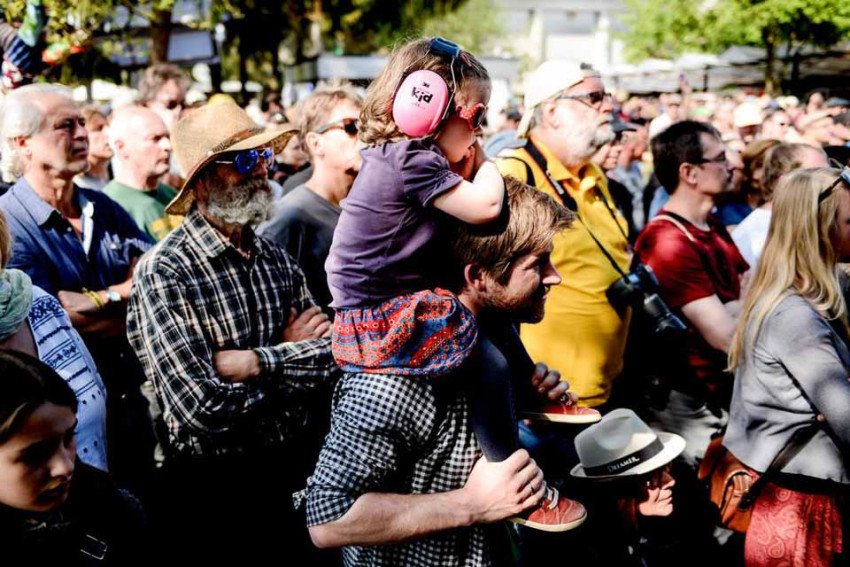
(54, 508)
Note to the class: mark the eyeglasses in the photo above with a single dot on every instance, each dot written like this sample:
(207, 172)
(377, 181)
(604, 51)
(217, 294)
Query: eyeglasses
(347, 125)
(593, 99)
(721, 158)
(246, 160)
(474, 115)
(172, 104)
(843, 175)
(657, 478)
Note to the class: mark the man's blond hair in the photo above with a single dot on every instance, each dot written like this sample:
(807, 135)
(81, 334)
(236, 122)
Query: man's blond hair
(529, 221)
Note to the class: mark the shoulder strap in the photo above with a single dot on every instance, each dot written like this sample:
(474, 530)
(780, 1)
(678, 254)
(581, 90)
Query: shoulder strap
(676, 223)
(529, 173)
(676, 220)
(799, 439)
(538, 158)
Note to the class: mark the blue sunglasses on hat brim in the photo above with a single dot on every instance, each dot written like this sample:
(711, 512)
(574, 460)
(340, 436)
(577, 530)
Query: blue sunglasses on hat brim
(246, 160)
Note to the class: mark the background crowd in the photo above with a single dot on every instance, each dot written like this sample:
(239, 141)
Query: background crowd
(166, 314)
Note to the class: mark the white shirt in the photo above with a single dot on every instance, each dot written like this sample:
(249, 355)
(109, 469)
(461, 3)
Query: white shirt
(751, 234)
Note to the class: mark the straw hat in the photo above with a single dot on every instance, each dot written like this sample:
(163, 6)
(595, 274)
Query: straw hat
(621, 444)
(203, 134)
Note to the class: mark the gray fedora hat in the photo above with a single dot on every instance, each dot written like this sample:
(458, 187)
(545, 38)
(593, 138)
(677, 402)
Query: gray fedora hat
(621, 444)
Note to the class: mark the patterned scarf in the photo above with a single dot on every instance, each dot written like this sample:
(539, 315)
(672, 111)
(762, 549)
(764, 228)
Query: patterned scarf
(15, 301)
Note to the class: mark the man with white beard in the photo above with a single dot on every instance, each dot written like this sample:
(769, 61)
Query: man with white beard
(235, 348)
(567, 119)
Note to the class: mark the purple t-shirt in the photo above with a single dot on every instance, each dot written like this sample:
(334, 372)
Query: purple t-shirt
(384, 244)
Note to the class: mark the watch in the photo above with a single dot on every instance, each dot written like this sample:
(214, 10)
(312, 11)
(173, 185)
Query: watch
(112, 296)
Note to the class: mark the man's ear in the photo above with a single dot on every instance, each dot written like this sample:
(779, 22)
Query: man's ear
(314, 145)
(21, 145)
(688, 173)
(548, 112)
(474, 277)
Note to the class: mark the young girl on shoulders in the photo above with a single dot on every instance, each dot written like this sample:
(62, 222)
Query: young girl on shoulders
(422, 166)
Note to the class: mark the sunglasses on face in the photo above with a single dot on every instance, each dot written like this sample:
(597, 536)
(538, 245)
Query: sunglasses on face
(347, 125)
(474, 115)
(657, 478)
(843, 176)
(720, 159)
(593, 99)
(246, 160)
(172, 104)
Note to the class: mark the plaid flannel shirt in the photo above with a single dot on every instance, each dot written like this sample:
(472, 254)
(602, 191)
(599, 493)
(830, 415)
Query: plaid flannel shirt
(406, 435)
(193, 295)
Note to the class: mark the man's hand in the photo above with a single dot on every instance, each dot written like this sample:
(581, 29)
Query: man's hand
(76, 302)
(313, 323)
(495, 491)
(236, 365)
(624, 160)
(548, 383)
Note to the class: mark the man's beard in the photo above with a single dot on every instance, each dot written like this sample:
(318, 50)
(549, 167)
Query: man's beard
(585, 140)
(247, 204)
(526, 309)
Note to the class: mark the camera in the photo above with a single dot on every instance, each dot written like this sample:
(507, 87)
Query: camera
(639, 289)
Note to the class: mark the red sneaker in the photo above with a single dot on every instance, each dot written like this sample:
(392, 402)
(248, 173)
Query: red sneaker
(554, 514)
(563, 411)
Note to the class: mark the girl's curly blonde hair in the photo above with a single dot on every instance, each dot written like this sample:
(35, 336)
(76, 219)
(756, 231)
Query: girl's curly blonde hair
(376, 121)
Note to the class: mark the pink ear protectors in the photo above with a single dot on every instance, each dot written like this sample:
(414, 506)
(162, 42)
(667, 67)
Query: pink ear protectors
(420, 103)
(423, 99)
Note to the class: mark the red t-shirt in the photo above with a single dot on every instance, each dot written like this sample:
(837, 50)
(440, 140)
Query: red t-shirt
(687, 271)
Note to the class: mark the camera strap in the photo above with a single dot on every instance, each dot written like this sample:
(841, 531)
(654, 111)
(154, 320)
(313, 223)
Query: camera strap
(679, 222)
(571, 204)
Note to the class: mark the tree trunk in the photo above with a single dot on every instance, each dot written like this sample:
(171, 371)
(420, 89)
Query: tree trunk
(243, 70)
(160, 32)
(771, 82)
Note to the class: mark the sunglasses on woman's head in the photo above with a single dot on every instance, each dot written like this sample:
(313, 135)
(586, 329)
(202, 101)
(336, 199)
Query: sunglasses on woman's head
(347, 125)
(843, 175)
(246, 160)
(474, 115)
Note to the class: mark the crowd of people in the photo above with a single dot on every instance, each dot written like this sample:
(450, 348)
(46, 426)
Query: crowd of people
(375, 329)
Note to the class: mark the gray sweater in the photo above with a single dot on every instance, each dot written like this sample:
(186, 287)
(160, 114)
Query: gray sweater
(797, 369)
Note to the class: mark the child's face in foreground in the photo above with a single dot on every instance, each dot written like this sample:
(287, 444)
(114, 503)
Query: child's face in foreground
(37, 461)
(455, 138)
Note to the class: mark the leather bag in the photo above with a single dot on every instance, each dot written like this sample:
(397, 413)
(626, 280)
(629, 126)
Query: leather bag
(729, 482)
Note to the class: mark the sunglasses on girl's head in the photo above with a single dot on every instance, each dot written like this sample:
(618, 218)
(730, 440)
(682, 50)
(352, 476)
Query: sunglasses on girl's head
(347, 125)
(474, 115)
(843, 176)
(246, 160)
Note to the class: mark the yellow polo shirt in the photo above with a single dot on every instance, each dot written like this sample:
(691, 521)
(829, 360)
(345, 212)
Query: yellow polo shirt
(581, 335)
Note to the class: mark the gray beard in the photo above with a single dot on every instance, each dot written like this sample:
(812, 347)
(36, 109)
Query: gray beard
(585, 142)
(247, 204)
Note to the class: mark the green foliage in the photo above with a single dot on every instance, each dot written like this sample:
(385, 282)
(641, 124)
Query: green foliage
(256, 29)
(477, 26)
(663, 29)
(748, 22)
(667, 28)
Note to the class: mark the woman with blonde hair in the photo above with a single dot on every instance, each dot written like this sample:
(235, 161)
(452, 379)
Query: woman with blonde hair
(791, 364)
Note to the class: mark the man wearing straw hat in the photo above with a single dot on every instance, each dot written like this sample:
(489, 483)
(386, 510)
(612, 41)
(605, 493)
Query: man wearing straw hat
(235, 347)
